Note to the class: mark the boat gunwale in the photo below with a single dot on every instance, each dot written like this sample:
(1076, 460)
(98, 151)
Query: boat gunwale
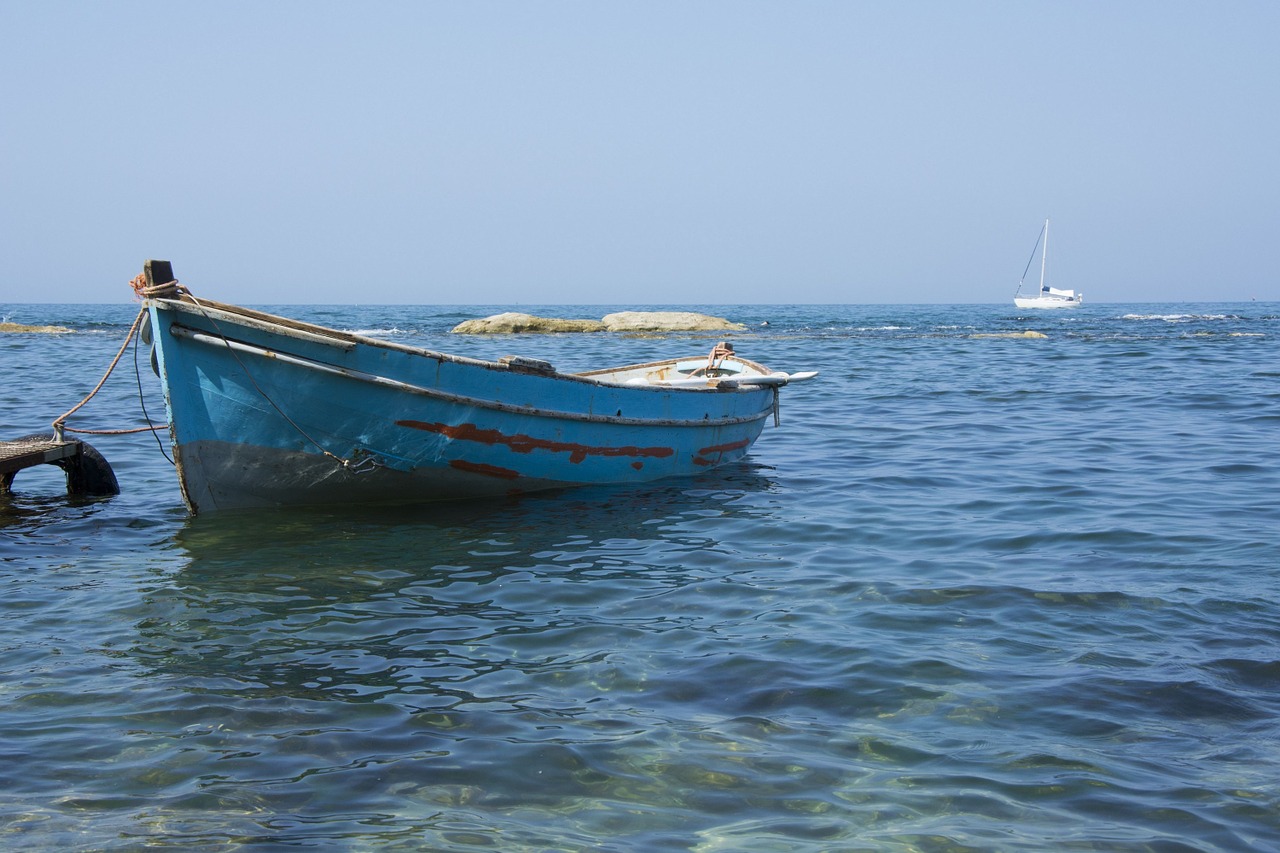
(275, 324)
(179, 330)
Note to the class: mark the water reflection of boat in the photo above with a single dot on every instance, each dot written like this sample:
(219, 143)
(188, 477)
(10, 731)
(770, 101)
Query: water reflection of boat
(230, 547)
(355, 603)
(266, 411)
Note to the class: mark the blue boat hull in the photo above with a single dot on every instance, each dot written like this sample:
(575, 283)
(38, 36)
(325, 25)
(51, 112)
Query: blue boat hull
(265, 411)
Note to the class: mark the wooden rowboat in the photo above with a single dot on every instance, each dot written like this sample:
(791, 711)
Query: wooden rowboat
(269, 411)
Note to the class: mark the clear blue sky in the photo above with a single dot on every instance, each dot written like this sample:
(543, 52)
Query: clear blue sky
(648, 152)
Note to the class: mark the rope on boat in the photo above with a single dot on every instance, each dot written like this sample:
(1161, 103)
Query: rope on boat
(1030, 259)
(719, 353)
(169, 290)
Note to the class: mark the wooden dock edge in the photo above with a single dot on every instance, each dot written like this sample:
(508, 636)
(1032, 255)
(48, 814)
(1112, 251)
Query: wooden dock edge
(88, 473)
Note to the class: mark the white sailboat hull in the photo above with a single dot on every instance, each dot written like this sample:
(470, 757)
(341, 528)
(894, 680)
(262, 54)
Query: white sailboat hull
(1047, 302)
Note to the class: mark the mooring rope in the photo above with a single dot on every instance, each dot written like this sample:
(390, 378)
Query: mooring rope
(59, 423)
(170, 290)
(139, 285)
(142, 403)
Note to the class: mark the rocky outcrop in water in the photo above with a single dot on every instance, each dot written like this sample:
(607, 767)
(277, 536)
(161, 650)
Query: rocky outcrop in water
(1036, 335)
(513, 323)
(47, 330)
(623, 321)
(668, 321)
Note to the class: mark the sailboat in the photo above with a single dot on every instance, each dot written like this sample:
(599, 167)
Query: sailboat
(1048, 297)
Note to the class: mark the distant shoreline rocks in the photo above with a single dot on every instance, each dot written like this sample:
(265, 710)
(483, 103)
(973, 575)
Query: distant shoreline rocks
(45, 330)
(622, 321)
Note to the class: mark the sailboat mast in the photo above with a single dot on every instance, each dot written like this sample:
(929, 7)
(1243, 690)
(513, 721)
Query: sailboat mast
(1044, 254)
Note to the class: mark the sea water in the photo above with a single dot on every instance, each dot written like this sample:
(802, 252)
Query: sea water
(977, 591)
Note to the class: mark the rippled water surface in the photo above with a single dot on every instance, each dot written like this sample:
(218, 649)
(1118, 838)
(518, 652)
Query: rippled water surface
(978, 591)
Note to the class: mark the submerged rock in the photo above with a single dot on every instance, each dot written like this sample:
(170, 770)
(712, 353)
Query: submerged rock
(1011, 335)
(623, 321)
(47, 330)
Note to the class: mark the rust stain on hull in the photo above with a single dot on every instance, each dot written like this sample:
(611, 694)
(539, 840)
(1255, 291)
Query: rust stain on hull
(719, 450)
(528, 444)
(487, 470)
